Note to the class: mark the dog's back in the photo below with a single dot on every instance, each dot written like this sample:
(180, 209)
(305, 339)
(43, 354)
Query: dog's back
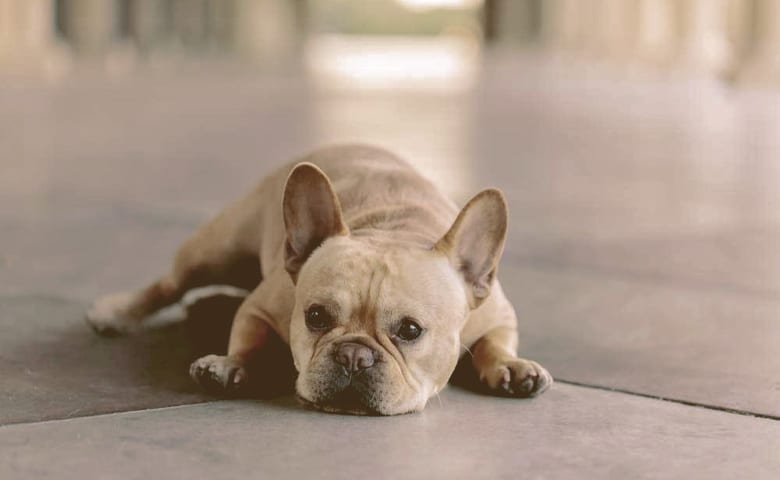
(381, 196)
(381, 193)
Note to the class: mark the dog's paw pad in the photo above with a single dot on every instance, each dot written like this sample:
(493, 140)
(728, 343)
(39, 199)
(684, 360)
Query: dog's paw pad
(518, 378)
(108, 315)
(219, 374)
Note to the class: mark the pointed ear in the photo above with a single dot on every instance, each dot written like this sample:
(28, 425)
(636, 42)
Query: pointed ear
(311, 214)
(475, 242)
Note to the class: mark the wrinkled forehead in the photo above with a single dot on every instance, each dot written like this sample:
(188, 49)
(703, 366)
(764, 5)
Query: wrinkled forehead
(355, 274)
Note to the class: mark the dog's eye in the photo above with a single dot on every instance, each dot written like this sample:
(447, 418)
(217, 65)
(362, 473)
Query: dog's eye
(318, 319)
(409, 330)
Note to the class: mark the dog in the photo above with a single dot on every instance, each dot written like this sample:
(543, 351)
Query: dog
(371, 275)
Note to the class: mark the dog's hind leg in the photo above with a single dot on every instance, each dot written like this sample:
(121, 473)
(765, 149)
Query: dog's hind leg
(223, 251)
(204, 259)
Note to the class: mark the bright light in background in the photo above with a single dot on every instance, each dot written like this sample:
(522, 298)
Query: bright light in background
(443, 63)
(409, 92)
(406, 92)
(431, 4)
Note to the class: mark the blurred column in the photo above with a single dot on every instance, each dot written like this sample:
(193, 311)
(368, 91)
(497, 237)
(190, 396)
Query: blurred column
(219, 16)
(562, 24)
(267, 29)
(739, 34)
(26, 30)
(588, 26)
(490, 18)
(512, 21)
(763, 57)
(703, 35)
(90, 25)
(658, 30)
(189, 22)
(619, 24)
(149, 21)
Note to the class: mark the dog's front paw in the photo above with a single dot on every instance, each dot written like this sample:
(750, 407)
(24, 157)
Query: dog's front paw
(517, 377)
(108, 316)
(219, 374)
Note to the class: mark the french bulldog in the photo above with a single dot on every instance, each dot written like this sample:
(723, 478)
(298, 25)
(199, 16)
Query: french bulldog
(375, 280)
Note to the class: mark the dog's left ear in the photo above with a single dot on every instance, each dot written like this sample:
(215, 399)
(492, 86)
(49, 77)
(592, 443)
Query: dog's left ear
(312, 214)
(475, 242)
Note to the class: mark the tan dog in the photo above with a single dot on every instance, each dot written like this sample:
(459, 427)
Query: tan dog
(370, 274)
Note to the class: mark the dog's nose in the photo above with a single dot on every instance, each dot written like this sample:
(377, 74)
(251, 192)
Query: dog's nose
(355, 357)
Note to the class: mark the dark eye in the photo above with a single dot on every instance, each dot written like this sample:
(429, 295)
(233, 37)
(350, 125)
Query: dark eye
(318, 319)
(409, 330)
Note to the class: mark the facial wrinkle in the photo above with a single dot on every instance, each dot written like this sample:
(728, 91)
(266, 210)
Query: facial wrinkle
(399, 359)
(369, 307)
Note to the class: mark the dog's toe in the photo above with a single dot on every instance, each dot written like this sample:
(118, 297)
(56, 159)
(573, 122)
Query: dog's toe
(528, 378)
(108, 315)
(219, 374)
(518, 378)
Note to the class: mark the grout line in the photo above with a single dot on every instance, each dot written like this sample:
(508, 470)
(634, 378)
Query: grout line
(689, 403)
(557, 380)
(108, 414)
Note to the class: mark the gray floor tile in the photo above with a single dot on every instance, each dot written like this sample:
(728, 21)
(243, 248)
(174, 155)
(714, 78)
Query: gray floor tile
(78, 250)
(712, 347)
(569, 432)
(672, 180)
(737, 260)
(53, 366)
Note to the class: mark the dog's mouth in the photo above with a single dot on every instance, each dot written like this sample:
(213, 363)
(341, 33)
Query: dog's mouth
(347, 402)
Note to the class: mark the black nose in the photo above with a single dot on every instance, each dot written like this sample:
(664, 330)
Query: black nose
(355, 357)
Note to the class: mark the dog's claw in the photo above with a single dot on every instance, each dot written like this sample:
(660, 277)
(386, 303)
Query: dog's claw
(219, 374)
(518, 378)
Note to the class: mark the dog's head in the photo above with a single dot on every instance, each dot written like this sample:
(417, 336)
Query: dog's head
(376, 325)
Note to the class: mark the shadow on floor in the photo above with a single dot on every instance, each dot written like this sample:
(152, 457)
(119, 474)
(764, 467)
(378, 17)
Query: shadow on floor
(53, 366)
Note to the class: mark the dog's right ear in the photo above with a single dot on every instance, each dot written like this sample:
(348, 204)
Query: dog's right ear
(311, 212)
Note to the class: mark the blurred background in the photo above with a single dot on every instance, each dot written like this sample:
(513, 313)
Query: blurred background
(603, 120)
(636, 141)
(733, 39)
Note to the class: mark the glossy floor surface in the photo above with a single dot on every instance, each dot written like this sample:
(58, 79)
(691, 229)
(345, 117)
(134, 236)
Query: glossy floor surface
(643, 259)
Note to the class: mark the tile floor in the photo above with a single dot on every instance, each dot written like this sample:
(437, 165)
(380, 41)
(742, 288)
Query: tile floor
(644, 259)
